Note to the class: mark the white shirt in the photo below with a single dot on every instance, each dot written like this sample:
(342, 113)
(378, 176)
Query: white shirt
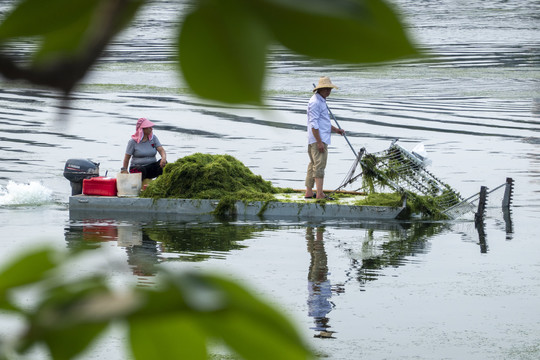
(318, 118)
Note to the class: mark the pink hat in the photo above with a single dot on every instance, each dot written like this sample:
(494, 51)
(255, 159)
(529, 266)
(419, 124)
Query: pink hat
(142, 123)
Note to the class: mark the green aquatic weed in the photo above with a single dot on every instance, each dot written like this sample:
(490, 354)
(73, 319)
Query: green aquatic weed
(206, 176)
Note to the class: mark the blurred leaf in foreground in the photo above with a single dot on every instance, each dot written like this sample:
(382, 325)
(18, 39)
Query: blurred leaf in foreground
(181, 317)
(69, 36)
(222, 44)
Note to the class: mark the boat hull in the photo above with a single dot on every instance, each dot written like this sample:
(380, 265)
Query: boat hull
(81, 206)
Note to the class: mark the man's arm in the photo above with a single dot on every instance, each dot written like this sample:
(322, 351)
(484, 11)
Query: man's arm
(338, 130)
(317, 136)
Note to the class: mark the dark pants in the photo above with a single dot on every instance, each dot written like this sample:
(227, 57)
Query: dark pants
(149, 171)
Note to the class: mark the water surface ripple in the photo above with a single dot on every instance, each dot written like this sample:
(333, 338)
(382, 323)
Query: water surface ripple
(392, 290)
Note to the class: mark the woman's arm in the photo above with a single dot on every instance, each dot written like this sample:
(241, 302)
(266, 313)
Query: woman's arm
(163, 155)
(125, 164)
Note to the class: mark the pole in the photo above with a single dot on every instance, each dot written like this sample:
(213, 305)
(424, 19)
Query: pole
(339, 127)
(345, 136)
(508, 192)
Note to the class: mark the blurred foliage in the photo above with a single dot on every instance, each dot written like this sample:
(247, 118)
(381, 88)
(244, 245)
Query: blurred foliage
(222, 44)
(176, 319)
(69, 37)
(222, 47)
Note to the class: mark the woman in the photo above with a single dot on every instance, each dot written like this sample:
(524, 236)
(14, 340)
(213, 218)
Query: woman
(143, 147)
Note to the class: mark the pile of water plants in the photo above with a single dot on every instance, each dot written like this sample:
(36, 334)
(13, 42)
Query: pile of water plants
(398, 167)
(206, 176)
(416, 204)
(224, 178)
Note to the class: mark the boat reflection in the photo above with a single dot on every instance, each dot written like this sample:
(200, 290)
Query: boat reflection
(381, 245)
(370, 247)
(149, 244)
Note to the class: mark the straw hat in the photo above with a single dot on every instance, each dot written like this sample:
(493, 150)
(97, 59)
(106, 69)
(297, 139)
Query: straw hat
(324, 82)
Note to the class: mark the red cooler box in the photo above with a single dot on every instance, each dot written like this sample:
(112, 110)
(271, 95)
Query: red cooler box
(99, 185)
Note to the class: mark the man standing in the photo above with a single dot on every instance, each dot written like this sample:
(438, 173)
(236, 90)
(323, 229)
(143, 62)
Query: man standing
(319, 131)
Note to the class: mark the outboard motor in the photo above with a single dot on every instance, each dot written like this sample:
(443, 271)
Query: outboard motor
(76, 170)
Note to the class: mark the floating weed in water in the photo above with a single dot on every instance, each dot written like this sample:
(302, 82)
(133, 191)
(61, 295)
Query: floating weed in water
(133, 88)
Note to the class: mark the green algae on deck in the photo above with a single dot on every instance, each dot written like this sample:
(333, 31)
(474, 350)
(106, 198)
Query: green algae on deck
(431, 205)
(224, 178)
(415, 204)
(206, 176)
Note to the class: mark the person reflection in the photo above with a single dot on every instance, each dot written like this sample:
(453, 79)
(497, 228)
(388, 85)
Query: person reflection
(319, 288)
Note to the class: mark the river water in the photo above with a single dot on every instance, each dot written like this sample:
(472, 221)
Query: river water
(398, 290)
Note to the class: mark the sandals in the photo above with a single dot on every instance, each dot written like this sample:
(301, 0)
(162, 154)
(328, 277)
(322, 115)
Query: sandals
(314, 196)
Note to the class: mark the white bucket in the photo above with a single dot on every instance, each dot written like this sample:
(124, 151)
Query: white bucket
(129, 184)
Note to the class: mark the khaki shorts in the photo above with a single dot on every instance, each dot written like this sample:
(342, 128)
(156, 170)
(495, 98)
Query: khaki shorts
(317, 164)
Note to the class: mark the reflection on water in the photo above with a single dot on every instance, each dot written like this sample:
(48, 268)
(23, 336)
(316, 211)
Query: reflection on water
(375, 246)
(475, 232)
(89, 234)
(143, 257)
(198, 243)
(149, 244)
(319, 287)
(503, 216)
(397, 249)
(508, 224)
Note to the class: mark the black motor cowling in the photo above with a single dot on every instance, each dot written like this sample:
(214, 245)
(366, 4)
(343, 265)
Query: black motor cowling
(76, 170)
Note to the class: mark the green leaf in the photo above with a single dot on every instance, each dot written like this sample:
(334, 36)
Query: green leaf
(222, 51)
(167, 337)
(28, 268)
(65, 42)
(240, 299)
(70, 316)
(66, 343)
(6, 304)
(223, 44)
(355, 31)
(219, 309)
(39, 17)
(251, 327)
(252, 338)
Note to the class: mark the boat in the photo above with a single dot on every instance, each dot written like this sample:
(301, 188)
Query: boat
(402, 171)
(85, 206)
(94, 196)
